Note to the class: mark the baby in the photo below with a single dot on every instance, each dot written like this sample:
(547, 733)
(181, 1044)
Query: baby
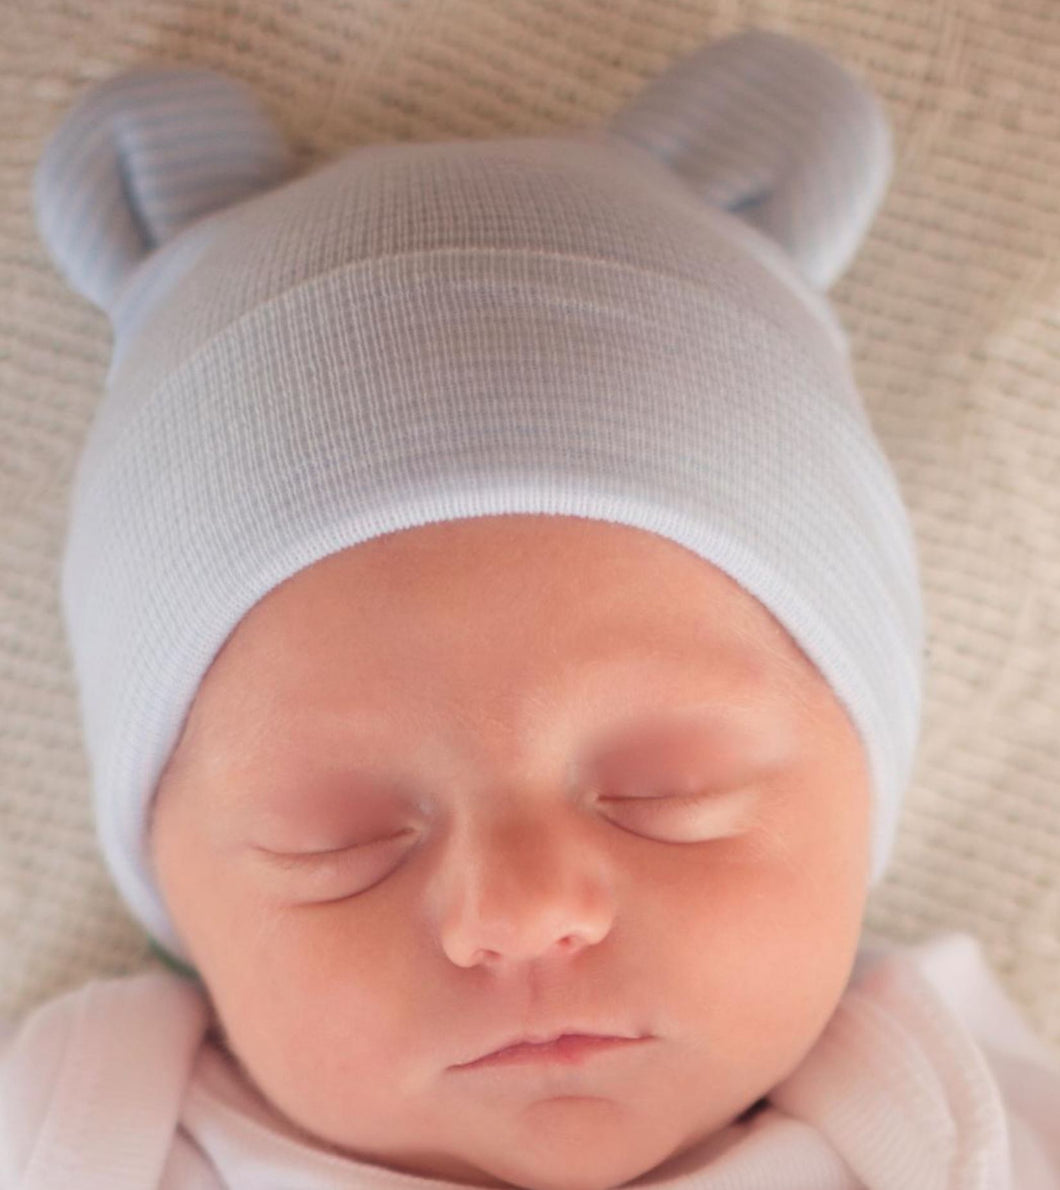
(499, 639)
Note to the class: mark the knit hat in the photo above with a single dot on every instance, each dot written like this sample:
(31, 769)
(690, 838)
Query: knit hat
(624, 322)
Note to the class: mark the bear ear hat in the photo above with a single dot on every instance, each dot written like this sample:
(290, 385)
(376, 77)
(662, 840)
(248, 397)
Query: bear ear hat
(139, 158)
(763, 125)
(774, 131)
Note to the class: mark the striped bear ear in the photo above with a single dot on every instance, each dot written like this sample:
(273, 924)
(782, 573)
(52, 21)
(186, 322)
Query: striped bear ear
(777, 132)
(140, 157)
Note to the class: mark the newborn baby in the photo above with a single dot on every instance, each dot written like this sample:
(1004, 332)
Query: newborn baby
(495, 621)
(560, 776)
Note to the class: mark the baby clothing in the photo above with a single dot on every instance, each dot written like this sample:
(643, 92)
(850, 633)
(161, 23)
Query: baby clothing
(925, 1078)
(626, 323)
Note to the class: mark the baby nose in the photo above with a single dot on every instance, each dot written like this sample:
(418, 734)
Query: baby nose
(523, 888)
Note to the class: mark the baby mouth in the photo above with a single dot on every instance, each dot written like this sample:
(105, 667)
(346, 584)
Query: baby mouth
(571, 1049)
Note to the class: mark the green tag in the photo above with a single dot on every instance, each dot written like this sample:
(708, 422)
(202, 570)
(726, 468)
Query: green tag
(174, 964)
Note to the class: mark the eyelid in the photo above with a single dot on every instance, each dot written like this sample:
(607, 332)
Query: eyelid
(723, 813)
(295, 859)
(745, 796)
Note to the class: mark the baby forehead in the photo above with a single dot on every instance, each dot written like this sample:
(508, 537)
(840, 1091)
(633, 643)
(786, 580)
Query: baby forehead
(487, 700)
(497, 623)
(494, 647)
(564, 576)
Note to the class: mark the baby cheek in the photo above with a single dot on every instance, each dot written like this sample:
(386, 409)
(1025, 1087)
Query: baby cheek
(765, 952)
(317, 1005)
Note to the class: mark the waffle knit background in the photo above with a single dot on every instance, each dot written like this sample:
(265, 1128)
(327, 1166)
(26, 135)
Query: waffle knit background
(952, 306)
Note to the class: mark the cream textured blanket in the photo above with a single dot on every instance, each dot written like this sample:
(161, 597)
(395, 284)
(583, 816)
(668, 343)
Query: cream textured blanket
(952, 305)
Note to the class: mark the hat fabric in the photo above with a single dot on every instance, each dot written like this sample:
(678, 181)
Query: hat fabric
(624, 322)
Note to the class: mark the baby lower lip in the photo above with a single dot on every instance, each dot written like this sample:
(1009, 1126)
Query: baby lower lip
(570, 1049)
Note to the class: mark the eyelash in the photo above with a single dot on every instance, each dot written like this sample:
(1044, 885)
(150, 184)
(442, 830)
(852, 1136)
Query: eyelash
(679, 799)
(297, 859)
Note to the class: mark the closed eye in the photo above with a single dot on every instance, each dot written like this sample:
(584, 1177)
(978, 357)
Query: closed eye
(676, 818)
(668, 798)
(690, 818)
(700, 797)
(297, 859)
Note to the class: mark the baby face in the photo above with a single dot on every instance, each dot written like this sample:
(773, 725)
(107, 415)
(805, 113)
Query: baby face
(555, 772)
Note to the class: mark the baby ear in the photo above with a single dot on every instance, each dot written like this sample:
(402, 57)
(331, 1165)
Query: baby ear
(777, 132)
(140, 157)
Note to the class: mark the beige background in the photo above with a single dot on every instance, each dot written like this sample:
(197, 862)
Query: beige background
(953, 308)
